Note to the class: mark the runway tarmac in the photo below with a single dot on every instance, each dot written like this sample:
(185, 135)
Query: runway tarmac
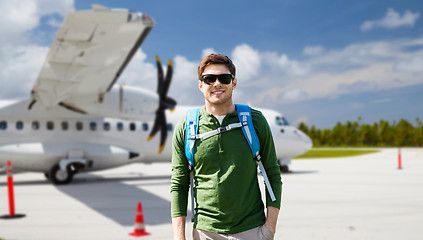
(365, 197)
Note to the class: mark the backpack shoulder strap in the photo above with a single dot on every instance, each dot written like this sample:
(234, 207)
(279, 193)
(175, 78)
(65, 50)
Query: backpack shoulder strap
(191, 129)
(244, 115)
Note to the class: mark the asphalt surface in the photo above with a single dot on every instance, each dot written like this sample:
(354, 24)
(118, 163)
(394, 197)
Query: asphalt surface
(365, 197)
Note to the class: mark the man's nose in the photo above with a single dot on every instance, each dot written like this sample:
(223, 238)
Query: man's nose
(217, 82)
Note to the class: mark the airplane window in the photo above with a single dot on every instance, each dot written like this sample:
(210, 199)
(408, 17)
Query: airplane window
(65, 126)
(285, 122)
(279, 121)
(145, 126)
(3, 125)
(106, 126)
(132, 127)
(93, 126)
(79, 126)
(19, 125)
(119, 126)
(35, 125)
(169, 127)
(50, 125)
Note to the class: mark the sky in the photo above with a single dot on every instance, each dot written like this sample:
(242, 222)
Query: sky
(318, 62)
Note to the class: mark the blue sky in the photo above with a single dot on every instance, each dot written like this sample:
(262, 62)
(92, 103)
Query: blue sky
(315, 61)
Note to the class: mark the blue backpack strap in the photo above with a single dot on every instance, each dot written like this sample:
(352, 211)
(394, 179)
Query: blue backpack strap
(191, 129)
(244, 115)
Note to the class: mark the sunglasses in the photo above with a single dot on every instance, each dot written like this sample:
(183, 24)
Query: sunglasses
(225, 78)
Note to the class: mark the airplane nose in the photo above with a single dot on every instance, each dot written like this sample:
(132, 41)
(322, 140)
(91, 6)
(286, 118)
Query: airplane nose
(308, 143)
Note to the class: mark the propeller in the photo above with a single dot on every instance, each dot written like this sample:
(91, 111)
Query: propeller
(165, 102)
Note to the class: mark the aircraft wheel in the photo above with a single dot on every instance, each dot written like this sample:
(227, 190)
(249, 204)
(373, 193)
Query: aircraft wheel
(59, 176)
(47, 175)
(284, 169)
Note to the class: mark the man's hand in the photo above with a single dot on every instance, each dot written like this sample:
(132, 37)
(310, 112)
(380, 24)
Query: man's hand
(272, 219)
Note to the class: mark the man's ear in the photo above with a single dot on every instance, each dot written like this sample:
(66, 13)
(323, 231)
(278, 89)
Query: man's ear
(200, 85)
(234, 83)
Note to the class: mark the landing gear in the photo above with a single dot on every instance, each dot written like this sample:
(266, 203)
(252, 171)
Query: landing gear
(284, 168)
(283, 165)
(59, 177)
(63, 172)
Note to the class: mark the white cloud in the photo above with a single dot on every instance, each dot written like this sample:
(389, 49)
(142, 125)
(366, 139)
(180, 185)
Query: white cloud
(293, 94)
(185, 82)
(140, 73)
(357, 87)
(282, 63)
(413, 65)
(20, 59)
(24, 15)
(19, 69)
(313, 50)
(392, 20)
(54, 22)
(206, 52)
(21, 16)
(247, 62)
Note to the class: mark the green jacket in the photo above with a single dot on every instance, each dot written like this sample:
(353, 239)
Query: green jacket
(227, 194)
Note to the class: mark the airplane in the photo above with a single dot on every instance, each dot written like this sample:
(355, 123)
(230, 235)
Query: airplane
(77, 119)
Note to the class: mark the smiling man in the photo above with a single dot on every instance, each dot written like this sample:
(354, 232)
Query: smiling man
(228, 202)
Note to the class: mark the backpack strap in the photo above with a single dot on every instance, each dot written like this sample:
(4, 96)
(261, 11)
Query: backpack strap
(191, 129)
(244, 115)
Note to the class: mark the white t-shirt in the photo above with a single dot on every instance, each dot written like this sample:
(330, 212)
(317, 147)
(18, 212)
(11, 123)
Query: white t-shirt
(220, 118)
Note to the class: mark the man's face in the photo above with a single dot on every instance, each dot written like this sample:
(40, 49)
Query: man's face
(217, 93)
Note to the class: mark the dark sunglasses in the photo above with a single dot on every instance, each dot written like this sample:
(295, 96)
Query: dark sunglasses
(225, 78)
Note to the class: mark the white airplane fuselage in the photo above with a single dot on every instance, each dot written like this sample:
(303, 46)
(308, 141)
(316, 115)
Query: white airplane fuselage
(38, 139)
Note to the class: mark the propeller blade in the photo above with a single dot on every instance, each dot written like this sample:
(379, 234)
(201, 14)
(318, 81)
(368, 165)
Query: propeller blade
(31, 104)
(155, 127)
(163, 84)
(163, 131)
(169, 103)
(159, 75)
(167, 80)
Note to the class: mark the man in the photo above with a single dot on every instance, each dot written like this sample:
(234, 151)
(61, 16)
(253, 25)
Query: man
(227, 195)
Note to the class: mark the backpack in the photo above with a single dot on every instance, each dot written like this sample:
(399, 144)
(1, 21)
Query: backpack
(245, 122)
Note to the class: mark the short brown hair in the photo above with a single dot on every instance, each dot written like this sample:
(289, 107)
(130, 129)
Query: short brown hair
(216, 59)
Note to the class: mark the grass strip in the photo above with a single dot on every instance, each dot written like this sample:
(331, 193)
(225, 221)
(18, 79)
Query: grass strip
(334, 153)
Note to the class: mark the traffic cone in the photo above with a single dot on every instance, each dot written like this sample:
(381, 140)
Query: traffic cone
(9, 174)
(139, 229)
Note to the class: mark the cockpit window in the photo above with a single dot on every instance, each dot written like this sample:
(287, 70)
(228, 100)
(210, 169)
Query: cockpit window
(281, 121)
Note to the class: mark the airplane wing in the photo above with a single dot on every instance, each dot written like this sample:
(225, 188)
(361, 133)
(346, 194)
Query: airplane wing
(89, 52)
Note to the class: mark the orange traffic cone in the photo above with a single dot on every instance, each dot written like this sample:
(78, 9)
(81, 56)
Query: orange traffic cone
(139, 229)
